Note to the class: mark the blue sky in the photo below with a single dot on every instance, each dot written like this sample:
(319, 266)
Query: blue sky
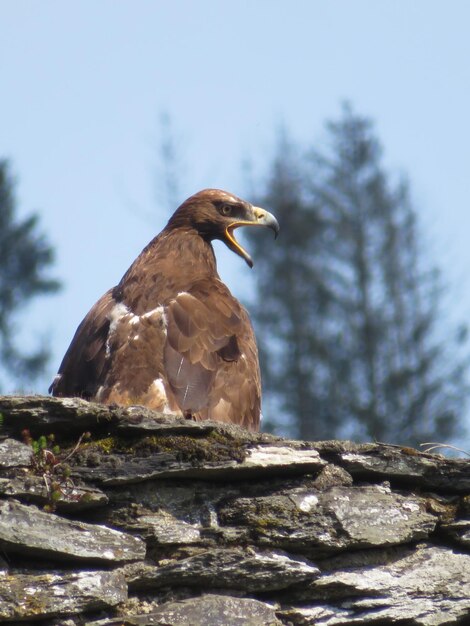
(83, 85)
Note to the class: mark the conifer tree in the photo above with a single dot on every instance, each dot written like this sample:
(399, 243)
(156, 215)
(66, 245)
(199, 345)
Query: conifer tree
(26, 257)
(348, 312)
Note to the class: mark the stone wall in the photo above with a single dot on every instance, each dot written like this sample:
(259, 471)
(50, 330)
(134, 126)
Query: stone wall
(154, 520)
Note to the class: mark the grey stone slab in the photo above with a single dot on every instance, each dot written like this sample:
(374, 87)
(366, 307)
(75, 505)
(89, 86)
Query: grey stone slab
(338, 518)
(427, 586)
(121, 469)
(28, 530)
(206, 610)
(14, 453)
(249, 570)
(27, 597)
(30, 488)
(399, 463)
(459, 531)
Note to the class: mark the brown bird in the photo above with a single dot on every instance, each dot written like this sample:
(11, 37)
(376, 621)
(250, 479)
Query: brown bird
(170, 335)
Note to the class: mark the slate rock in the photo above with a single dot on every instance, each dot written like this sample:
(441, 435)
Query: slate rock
(121, 469)
(322, 532)
(72, 496)
(207, 610)
(248, 570)
(459, 531)
(332, 476)
(313, 521)
(44, 414)
(29, 597)
(14, 453)
(426, 586)
(164, 529)
(399, 463)
(66, 416)
(28, 530)
(282, 457)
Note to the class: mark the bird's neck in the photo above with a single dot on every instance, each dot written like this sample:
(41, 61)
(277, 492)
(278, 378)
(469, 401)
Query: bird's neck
(172, 262)
(193, 254)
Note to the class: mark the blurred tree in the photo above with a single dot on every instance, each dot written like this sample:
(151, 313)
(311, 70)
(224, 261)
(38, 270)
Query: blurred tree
(294, 302)
(169, 159)
(25, 256)
(171, 167)
(348, 317)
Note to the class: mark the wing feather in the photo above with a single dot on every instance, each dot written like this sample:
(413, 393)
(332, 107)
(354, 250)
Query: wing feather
(85, 360)
(210, 356)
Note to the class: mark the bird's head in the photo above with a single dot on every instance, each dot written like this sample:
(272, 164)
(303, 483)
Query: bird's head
(215, 214)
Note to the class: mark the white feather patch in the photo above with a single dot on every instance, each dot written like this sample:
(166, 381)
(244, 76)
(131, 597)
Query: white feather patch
(159, 386)
(119, 311)
(120, 314)
(160, 390)
(158, 314)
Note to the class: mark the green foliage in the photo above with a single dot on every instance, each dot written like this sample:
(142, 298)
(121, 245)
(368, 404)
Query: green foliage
(26, 256)
(50, 462)
(347, 312)
(44, 443)
(45, 451)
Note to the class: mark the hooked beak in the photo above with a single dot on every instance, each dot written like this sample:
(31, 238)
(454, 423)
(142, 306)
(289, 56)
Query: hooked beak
(260, 218)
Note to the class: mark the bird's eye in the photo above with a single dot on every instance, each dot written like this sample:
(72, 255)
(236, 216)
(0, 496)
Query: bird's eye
(225, 209)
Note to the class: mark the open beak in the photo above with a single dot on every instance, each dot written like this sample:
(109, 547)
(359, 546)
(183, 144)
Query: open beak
(260, 218)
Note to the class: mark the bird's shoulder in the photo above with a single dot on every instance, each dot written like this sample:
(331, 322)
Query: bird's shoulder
(207, 305)
(85, 358)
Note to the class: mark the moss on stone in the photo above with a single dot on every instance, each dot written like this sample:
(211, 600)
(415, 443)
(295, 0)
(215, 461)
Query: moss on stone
(214, 448)
(108, 444)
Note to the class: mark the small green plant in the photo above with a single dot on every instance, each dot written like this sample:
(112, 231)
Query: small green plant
(50, 462)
